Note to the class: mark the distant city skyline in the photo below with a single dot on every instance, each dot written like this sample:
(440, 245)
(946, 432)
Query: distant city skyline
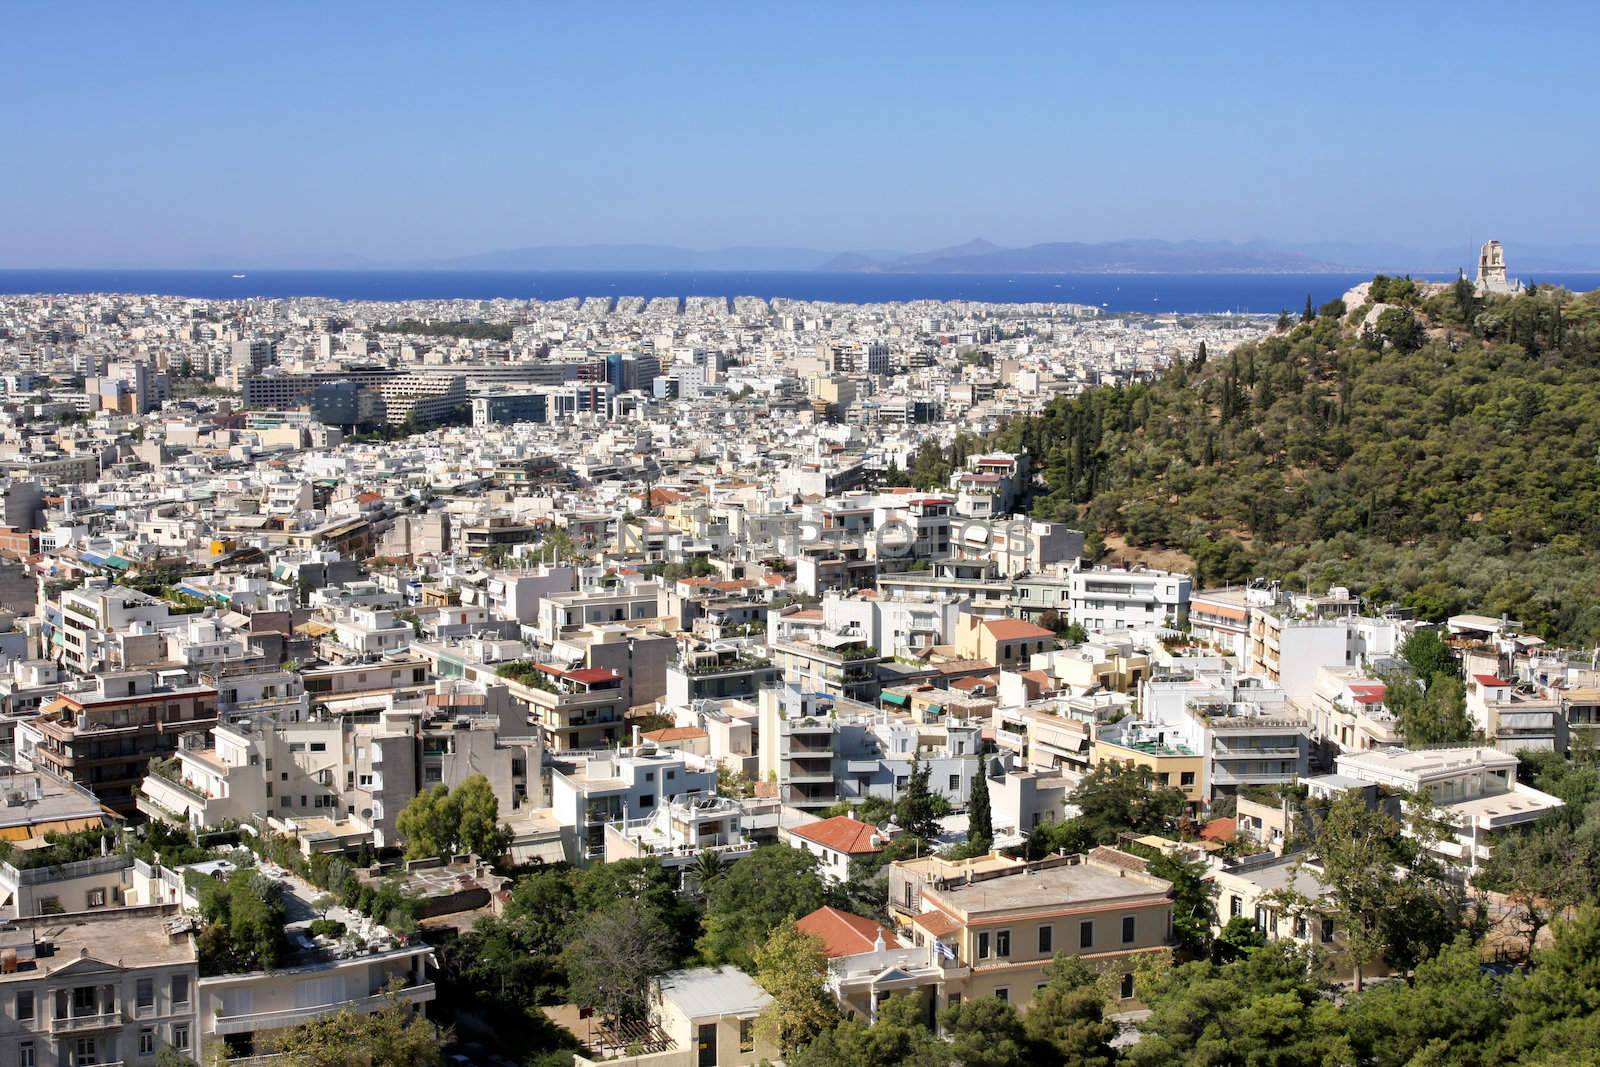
(359, 134)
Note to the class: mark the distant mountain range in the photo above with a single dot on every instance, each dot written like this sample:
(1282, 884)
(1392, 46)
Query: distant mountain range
(1056, 257)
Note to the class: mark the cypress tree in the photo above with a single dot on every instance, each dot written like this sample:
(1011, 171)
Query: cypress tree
(980, 823)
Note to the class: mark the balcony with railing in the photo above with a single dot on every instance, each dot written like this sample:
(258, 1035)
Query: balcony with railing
(251, 1021)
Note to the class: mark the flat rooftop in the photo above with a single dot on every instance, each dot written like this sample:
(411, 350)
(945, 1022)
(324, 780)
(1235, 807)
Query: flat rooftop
(43, 803)
(126, 937)
(1050, 888)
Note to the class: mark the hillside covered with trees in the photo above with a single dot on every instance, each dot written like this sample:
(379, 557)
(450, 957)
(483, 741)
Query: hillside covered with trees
(1444, 455)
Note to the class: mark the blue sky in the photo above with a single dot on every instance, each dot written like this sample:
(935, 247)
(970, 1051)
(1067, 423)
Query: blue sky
(171, 133)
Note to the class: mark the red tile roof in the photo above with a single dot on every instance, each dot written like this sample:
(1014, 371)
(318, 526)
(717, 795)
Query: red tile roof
(841, 834)
(1012, 629)
(843, 934)
(674, 733)
(937, 923)
(1220, 830)
(591, 675)
(1490, 681)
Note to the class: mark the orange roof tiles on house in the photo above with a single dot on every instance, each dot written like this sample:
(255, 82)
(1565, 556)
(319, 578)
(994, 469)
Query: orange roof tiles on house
(1220, 830)
(841, 834)
(1490, 681)
(970, 684)
(844, 934)
(937, 923)
(674, 733)
(1014, 629)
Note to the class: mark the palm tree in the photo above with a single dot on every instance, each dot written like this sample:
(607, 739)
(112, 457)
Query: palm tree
(707, 868)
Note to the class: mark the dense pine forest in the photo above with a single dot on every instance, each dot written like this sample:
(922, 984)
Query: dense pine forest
(1439, 451)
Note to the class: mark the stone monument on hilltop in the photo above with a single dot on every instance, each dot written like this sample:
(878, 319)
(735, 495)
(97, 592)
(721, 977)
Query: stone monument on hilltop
(1492, 271)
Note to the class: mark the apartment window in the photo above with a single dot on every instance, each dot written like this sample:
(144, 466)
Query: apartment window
(955, 783)
(283, 776)
(25, 1006)
(180, 1037)
(1002, 994)
(285, 801)
(50, 906)
(1186, 778)
(1129, 929)
(1327, 931)
(147, 1041)
(180, 991)
(747, 1035)
(319, 746)
(85, 1051)
(297, 746)
(954, 1000)
(1047, 937)
(303, 800)
(1300, 929)
(97, 898)
(25, 1055)
(1002, 943)
(144, 993)
(649, 776)
(1234, 907)
(983, 946)
(1127, 986)
(1086, 934)
(269, 764)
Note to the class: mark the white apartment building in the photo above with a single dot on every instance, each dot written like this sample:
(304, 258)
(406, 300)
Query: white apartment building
(1104, 598)
(1475, 787)
(589, 792)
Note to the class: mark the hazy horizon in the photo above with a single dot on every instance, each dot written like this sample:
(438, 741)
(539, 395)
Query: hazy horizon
(353, 134)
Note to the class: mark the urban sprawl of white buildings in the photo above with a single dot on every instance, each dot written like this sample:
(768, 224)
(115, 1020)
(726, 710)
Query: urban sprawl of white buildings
(654, 570)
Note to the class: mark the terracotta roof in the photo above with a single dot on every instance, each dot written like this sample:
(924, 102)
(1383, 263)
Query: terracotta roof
(841, 834)
(1012, 629)
(591, 675)
(844, 934)
(974, 683)
(1220, 830)
(675, 733)
(1490, 681)
(937, 923)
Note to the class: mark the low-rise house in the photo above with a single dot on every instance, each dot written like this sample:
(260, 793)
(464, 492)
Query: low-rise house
(1283, 896)
(1009, 643)
(998, 924)
(835, 842)
(868, 964)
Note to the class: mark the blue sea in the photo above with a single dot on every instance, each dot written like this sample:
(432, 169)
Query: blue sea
(1253, 293)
